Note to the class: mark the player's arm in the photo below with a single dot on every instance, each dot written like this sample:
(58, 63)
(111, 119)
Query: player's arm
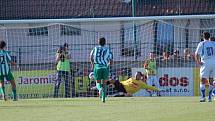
(111, 58)
(9, 59)
(145, 86)
(198, 59)
(128, 95)
(198, 51)
(145, 65)
(67, 55)
(57, 57)
(91, 58)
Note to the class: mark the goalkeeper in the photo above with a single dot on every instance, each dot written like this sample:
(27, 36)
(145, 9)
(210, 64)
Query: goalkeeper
(131, 85)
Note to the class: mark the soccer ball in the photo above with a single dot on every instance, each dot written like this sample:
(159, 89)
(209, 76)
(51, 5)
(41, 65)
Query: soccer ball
(91, 75)
(214, 83)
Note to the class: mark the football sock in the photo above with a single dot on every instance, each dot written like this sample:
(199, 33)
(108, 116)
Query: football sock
(210, 90)
(202, 90)
(98, 86)
(14, 94)
(1, 90)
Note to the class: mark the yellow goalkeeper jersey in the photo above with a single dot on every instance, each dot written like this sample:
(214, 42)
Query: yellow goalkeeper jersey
(132, 85)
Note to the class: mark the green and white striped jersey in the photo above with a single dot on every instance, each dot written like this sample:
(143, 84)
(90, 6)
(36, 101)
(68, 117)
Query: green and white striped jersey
(5, 59)
(101, 55)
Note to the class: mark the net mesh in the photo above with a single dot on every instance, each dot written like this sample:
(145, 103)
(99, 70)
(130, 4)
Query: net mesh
(33, 47)
(40, 9)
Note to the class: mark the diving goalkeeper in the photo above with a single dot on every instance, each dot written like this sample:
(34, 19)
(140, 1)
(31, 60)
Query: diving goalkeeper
(131, 85)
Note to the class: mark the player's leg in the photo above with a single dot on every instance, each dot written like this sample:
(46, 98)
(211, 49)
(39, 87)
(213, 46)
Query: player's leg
(97, 75)
(121, 92)
(210, 89)
(14, 90)
(10, 78)
(2, 86)
(204, 73)
(1, 92)
(156, 84)
(149, 82)
(202, 89)
(213, 92)
(105, 77)
(211, 84)
(57, 83)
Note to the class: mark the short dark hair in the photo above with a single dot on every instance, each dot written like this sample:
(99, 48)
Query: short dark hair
(102, 41)
(206, 35)
(212, 39)
(2, 44)
(66, 45)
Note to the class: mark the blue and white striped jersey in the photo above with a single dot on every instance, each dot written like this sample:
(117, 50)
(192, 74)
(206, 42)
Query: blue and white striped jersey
(206, 50)
(101, 55)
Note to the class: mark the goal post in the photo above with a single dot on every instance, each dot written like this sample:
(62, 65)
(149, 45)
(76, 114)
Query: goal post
(107, 19)
(33, 45)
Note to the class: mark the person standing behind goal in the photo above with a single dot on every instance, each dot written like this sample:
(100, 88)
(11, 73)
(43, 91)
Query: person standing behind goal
(101, 57)
(205, 58)
(63, 69)
(151, 68)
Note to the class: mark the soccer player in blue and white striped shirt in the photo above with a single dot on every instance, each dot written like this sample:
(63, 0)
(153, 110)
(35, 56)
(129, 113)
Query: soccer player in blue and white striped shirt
(5, 71)
(205, 58)
(101, 57)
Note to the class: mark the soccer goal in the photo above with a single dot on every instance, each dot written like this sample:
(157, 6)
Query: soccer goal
(33, 44)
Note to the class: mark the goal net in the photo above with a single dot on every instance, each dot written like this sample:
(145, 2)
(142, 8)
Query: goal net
(34, 45)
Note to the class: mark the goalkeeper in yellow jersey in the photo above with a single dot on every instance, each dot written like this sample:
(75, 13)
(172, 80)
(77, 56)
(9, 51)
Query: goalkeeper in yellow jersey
(151, 68)
(131, 85)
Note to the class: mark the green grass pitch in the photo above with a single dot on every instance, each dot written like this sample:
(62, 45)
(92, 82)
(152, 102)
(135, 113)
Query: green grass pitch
(115, 109)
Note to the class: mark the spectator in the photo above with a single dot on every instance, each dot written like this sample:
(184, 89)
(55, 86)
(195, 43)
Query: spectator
(166, 56)
(63, 69)
(164, 60)
(187, 55)
(188, 58)
(176, 59)
(151, 68)
(175, 55)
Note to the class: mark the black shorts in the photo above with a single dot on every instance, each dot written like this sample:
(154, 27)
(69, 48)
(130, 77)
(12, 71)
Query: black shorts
(119, 87)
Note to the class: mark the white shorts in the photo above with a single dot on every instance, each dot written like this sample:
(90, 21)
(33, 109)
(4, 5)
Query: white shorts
(207, 70)
(152, 81)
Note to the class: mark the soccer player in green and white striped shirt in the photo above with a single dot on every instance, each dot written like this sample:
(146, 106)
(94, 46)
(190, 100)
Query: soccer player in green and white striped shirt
(101, 57)
(5, 71)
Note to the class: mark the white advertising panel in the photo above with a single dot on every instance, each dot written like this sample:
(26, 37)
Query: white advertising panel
(173, 82)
